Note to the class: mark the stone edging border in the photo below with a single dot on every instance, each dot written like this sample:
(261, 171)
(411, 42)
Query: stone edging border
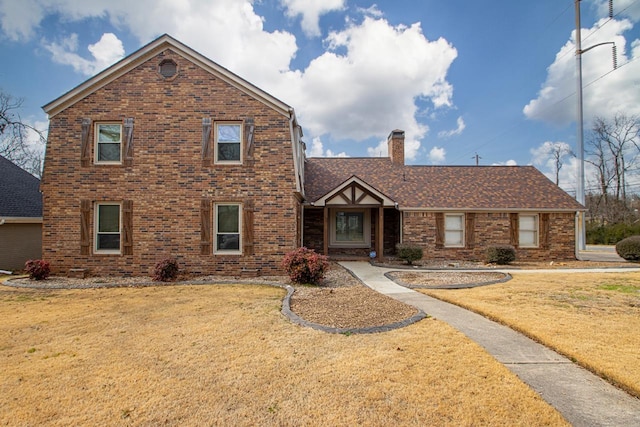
(506, 278)
(294, 318)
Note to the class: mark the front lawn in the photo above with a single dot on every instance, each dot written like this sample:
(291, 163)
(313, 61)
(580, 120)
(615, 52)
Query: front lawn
(592, 318)
(224, 355)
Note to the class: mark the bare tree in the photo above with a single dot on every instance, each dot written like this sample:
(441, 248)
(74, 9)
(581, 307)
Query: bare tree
(558, 151)
(20, 142)
(618, 140)
(552, 154)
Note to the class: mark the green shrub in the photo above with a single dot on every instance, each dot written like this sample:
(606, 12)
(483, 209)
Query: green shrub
(38, 269)
(409, 252)
(609, 234)
(629, 248)
(166, 270)
(305, 266)
(501, 254)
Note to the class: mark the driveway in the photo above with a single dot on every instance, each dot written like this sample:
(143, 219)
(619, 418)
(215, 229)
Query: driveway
(600, 253)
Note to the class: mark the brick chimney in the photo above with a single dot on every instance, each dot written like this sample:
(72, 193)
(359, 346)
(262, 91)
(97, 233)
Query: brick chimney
(396, 146)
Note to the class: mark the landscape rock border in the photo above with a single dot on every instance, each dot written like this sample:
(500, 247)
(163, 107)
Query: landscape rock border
(294, 318)
(390, 275)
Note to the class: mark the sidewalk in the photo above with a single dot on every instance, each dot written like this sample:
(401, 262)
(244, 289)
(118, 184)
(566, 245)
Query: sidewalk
(581, 397)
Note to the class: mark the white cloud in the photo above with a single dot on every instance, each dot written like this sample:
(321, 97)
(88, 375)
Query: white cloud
(105, 52)
(543, 154)
(380, 150)
(453, 132)
(371, 11)
(311, 10)
(605, 92)
(317, 150)
(626, 8)
(366, 83)
(437, 155)
(507, 163)
(372, 73)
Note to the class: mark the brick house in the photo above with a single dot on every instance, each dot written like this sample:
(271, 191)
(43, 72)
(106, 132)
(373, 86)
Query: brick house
(167, 153)
(355, 205)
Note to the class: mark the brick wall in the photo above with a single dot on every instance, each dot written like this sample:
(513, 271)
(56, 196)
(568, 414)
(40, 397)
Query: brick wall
(167, 180)
(491, 228)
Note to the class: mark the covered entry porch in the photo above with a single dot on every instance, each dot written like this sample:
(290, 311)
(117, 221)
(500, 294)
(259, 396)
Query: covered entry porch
(352, 221)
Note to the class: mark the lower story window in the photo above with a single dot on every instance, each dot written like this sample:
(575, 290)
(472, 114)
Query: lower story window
(528, 231)
(108, 227)
(350, 228)
(227, 224)
(454, 230)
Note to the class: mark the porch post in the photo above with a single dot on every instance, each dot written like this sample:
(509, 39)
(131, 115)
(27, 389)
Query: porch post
(325, 239)
(380, 238)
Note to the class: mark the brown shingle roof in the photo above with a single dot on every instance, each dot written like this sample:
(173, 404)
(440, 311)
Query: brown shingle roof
(442, 187)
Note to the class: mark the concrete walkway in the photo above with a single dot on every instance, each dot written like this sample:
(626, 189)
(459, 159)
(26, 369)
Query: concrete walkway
(582, 398)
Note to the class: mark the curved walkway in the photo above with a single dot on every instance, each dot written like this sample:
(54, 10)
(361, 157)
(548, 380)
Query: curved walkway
(583, 398)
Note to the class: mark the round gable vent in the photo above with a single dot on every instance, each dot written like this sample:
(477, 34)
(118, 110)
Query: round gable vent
(168, 68)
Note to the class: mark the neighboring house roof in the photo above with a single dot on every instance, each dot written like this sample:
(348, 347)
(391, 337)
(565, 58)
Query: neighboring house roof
(150, 50)
(19, 192)
(495, 188)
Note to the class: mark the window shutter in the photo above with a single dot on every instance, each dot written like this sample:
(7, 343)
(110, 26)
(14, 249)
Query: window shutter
(85, 232)
(205, 227)
(544, 231)
(247, 228)
(128, 141)
(469, 228)
(127, 227)
(248, 137)
(513, 230)
(439, 230)
(85, 147)
(207, 152)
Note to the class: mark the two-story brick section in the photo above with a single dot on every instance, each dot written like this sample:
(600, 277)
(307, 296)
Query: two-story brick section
(168, 154)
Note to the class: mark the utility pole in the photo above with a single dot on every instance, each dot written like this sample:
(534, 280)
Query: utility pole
(580, 132)
(477, 159)
(579, 119)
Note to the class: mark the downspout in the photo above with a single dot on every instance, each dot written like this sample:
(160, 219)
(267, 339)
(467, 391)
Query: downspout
(299, 173)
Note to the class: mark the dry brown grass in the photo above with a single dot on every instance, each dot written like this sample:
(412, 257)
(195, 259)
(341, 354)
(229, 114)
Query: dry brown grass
(592, 318)
(224, 355)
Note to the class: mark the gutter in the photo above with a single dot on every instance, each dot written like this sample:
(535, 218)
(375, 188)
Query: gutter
(20, 220)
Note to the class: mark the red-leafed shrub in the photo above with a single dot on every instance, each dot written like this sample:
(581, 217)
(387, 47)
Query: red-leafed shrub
(166, 270)
(38, 269)
(305, 266)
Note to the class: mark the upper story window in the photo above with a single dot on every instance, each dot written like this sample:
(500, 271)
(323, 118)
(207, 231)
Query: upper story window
(108, 146)
(454, 230)
(528, 231)
(228, 143)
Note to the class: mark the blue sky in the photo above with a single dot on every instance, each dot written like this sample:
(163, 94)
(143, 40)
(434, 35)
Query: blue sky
(461, 77)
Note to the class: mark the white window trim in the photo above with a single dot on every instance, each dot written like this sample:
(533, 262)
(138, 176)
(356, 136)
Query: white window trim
(366, 229)
(536, 230)
(215, 143)
(95, 228)
(461, 231)
(215, 230)
(96, 144)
